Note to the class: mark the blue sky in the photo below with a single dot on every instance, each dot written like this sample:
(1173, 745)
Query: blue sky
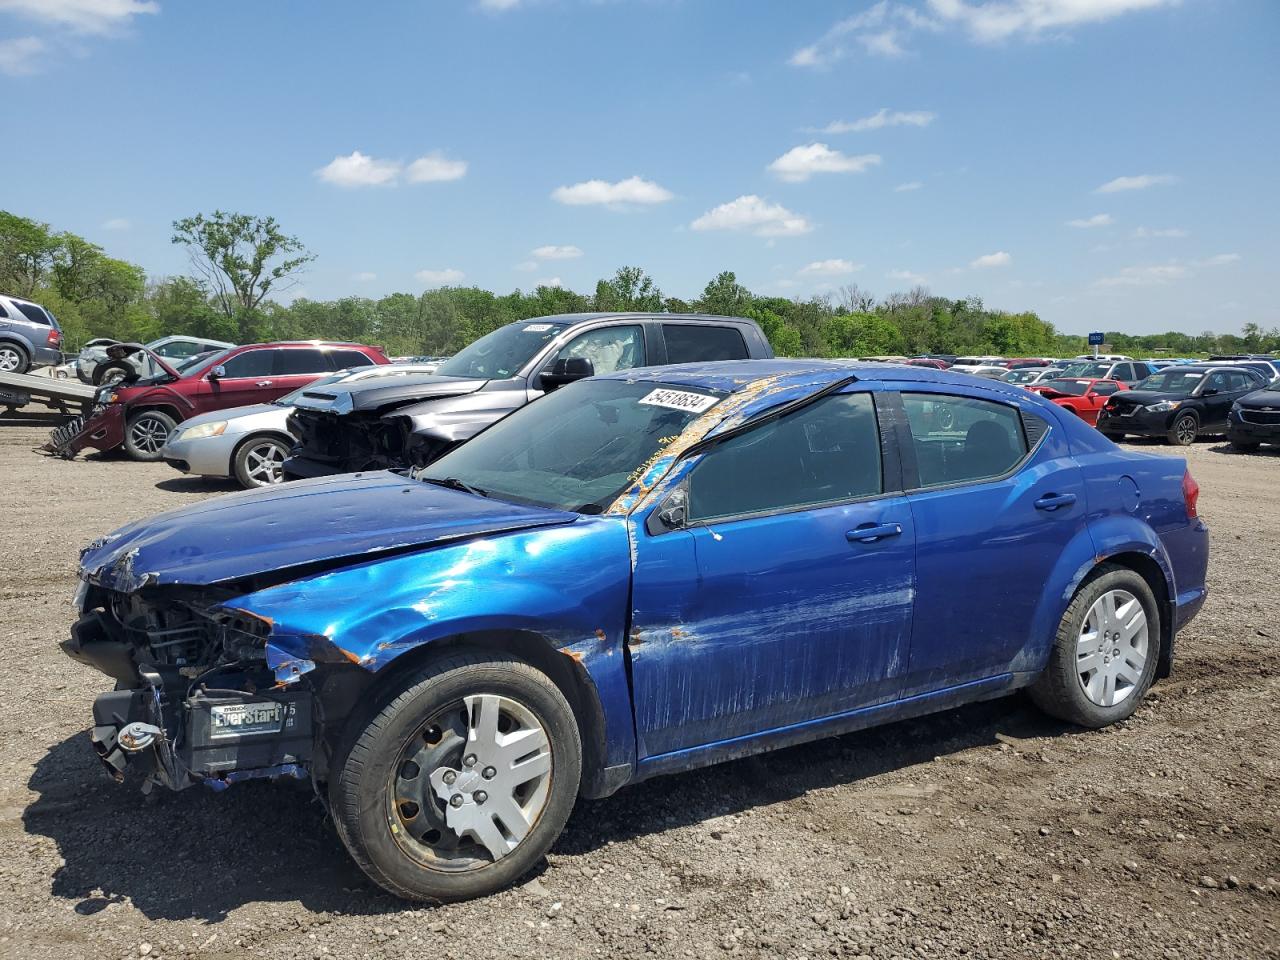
(1110, 164)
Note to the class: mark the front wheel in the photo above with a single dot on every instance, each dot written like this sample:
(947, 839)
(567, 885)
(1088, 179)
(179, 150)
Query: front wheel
(461, 781)
(146, 433)
(1184, 430)
(259, 462)
(1105, 653)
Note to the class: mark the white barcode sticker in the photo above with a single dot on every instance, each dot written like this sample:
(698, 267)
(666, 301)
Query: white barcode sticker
(537, 327)
(679, 400)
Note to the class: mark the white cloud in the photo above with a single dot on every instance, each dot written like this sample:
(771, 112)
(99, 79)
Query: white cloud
(1141, 182)
(882, 118)
(624, 193)
(551, 252)
(498, 6)
(830, 268)
(908, 186)
(1147, 233)
(999, 259)
(994, 20)
(800, 163)
(358, 170)
(81, 16)
(548, 282)
(440, 278)
(879, 30)
(1097, 220)
(365, 276)
(435, 167)
(1145, 276)
(915, 279)
(116, 223)
(21, 56)
(756, 214)
(1219, 260)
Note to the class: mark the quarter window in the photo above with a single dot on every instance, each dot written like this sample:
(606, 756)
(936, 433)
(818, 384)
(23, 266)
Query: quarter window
(826, 452)
(33, 313)
(342, 359)
(692, 343)
(962, 439)
(608, 348)
(252, 363)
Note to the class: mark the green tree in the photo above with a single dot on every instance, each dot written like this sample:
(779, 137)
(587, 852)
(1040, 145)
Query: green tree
(630, 289)
(725, 296)
(242, 258)
(26, 253)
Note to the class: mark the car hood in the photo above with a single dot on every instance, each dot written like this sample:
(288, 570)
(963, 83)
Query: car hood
(381, 393)
(306, 524)
(235, 415)
(1144, 397)
(1261, 398)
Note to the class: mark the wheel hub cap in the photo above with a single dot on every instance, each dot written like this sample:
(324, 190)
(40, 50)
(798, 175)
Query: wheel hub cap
(1112, 648)
(264, 464)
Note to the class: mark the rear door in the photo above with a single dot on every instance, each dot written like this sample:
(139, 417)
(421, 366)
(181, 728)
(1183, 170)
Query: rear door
(995, 497)
(699, 342)
(296, 367)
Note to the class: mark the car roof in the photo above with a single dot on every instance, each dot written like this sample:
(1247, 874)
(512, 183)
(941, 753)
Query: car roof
(304, 343)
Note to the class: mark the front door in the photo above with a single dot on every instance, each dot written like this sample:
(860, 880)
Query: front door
(788, 597)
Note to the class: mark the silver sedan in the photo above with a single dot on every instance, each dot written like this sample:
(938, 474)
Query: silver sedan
(250, 443)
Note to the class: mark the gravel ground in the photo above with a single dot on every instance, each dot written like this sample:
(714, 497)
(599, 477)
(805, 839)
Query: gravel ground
(984, 832)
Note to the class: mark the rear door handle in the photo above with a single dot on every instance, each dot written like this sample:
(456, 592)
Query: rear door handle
(1052, 501)
(264, 383)
(871, 532)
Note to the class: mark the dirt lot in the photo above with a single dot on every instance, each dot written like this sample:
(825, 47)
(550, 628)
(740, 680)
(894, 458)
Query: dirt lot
(985, 832)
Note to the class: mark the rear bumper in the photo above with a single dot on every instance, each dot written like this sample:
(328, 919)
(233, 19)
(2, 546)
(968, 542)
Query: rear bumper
(45, 356)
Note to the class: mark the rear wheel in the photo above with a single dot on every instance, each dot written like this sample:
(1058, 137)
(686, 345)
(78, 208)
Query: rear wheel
(13, 359)
(260, 460)
(1105, 653)
(146, 432)
(461, 781)
(1184, 430)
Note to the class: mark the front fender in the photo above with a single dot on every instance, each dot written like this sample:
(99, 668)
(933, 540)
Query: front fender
(567, 584)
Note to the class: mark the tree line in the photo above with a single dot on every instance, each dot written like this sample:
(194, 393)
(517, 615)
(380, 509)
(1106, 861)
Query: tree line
(242, 263)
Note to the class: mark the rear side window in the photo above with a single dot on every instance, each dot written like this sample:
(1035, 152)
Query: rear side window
(33, 313)
(825, 453)
(342, 359)
(180, 350)
(963, 439)
(252, 363)
(691, 343)
(297, 361)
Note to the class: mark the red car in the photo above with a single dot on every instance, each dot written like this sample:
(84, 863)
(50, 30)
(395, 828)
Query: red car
(1083, 397)
(929, 362)
(139, 415)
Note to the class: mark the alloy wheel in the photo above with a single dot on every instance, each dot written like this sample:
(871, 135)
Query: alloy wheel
(470, 785)
(1186, 428)
(10, 360)
(148, 434)
(1112, 648)
(264, 463)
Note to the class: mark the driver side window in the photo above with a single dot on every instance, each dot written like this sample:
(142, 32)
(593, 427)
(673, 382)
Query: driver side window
(608, 348)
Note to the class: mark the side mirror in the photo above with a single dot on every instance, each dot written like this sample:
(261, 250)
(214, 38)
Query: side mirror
(218, 372)
(672, 513)
(1209, 392)
(567, 370)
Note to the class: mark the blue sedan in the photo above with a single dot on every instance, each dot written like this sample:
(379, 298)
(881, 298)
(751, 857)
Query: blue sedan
(636, 575)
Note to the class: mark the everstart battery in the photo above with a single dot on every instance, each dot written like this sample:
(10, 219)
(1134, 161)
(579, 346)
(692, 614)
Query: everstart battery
(232, 730)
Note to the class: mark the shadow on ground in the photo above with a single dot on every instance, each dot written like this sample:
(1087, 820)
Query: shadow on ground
(182, 483)
(201, 855)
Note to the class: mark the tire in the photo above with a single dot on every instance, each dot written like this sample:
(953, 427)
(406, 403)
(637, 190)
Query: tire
(396, 760)
(1184, 430)
(145, 434)
(258, 461)
(1244, 446)
(110, 372)
(13, 359)
(1068, 692)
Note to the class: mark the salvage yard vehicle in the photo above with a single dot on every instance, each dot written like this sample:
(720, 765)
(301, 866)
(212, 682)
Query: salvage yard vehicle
(639, 574)
(250, 443)
(1179, 404)
(30, 336)
(408, 423)
(98, 364)
(1255, 419)
(140, 414)
(1083, 397)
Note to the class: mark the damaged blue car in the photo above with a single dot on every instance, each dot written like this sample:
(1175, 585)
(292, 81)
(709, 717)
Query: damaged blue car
(638, 574)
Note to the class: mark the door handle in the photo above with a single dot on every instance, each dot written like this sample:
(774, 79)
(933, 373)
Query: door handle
(264, 383)
(871, 532)
(1052, 501)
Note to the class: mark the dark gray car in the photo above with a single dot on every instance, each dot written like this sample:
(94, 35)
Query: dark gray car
(376, 425)
(29, 336)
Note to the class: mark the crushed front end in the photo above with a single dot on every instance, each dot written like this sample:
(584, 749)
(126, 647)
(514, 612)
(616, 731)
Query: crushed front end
(330, 443)
(196, 700)
(101, 429)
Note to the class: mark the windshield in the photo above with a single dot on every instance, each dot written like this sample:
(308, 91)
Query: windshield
(1078, 369)
(1022, 376)
(577, 448)
(1181, 382)
(1072, 388)
(499, 355)
(210, 357)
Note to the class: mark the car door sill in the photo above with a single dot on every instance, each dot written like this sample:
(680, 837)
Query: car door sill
(834, 725)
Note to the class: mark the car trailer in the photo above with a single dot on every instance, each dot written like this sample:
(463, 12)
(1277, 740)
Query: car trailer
(65, 396)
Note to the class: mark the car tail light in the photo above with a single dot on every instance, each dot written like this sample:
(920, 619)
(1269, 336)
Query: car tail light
(55, 338)
(1190, 494)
